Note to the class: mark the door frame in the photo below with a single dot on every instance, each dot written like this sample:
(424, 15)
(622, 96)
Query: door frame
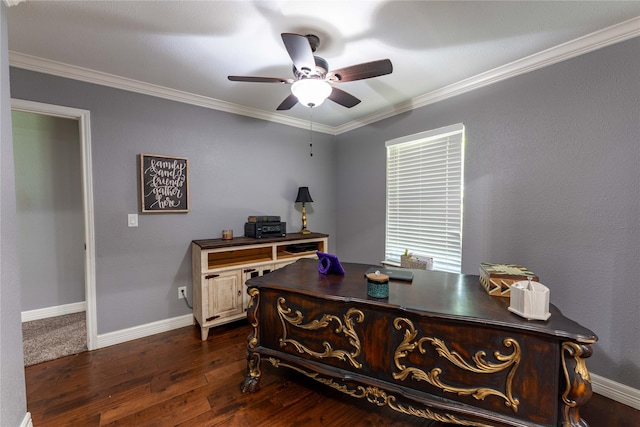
(84, 128)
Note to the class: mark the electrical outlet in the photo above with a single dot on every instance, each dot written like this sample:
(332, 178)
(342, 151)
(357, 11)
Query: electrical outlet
(180, 290)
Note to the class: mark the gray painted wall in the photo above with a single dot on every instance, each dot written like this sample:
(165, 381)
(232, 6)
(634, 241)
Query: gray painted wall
(13, 398)
(48, 175)
(551, 182)
(238, 166)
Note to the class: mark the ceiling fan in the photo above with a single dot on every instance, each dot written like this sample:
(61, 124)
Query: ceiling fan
(311, 85)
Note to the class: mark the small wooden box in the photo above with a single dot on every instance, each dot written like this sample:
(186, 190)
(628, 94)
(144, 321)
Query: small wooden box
(418, 262)
(497, 279)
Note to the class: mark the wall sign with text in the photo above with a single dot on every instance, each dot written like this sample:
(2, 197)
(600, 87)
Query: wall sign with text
(164, 183)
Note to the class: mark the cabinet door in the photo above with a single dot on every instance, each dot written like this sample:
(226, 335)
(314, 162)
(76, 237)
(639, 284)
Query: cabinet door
(224, 293)
(250, 273)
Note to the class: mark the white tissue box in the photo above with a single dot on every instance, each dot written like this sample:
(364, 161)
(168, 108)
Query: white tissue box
(530, 300)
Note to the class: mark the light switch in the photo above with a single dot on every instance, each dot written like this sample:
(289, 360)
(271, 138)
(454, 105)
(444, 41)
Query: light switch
(133, 220)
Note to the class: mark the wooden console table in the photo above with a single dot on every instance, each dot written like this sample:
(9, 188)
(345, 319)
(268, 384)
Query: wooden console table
(439, 348)
(221, 267)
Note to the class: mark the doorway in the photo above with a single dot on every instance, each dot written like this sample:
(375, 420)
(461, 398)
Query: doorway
(81, 223)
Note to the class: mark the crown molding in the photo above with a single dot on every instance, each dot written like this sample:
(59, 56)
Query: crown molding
(617, 33)
(46, 66)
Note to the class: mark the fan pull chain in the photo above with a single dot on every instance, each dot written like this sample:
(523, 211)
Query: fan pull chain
(310, 132)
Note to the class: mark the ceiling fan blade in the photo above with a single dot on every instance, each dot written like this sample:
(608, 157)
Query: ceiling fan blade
(343, 98)
(300, 51)
(365, 70)
(288, 103)
(260, 79)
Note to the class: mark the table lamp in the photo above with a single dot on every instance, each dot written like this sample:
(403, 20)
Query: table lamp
(304, 197)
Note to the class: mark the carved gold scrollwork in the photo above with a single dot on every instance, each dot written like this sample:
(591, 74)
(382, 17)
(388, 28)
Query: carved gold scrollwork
(346, 328)
(252, 377)
(479, 366)
(252, 307)
(578, 381)
(576, 350)
(359, 392)
(431, 415)
(380, 397)
(254, 293)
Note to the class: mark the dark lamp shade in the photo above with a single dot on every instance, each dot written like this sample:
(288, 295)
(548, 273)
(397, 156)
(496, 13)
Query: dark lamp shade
(303, 195)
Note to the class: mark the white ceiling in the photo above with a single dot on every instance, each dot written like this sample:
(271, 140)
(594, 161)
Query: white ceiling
(188, 48)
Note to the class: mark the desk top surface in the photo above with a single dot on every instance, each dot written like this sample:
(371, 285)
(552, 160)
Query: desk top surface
(432, 293)
(246, 241)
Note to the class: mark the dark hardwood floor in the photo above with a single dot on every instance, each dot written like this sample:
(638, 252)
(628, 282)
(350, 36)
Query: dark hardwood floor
(175, 379)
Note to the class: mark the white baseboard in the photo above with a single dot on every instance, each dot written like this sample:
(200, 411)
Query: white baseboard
(26, 421)
(615, 391)
(58, 310)
(124, 335)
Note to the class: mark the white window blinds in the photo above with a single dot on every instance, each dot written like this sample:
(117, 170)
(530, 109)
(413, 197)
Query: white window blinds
(424, 197)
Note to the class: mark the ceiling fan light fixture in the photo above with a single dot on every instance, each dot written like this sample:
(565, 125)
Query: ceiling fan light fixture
(311, 87)
(311, 92)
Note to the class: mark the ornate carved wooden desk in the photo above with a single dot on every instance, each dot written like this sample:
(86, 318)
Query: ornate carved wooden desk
(438, 348)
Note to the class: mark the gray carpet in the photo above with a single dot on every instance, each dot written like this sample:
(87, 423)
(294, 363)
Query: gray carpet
(55, 337)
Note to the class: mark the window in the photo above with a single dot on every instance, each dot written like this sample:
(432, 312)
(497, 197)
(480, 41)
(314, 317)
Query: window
(424, 197)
